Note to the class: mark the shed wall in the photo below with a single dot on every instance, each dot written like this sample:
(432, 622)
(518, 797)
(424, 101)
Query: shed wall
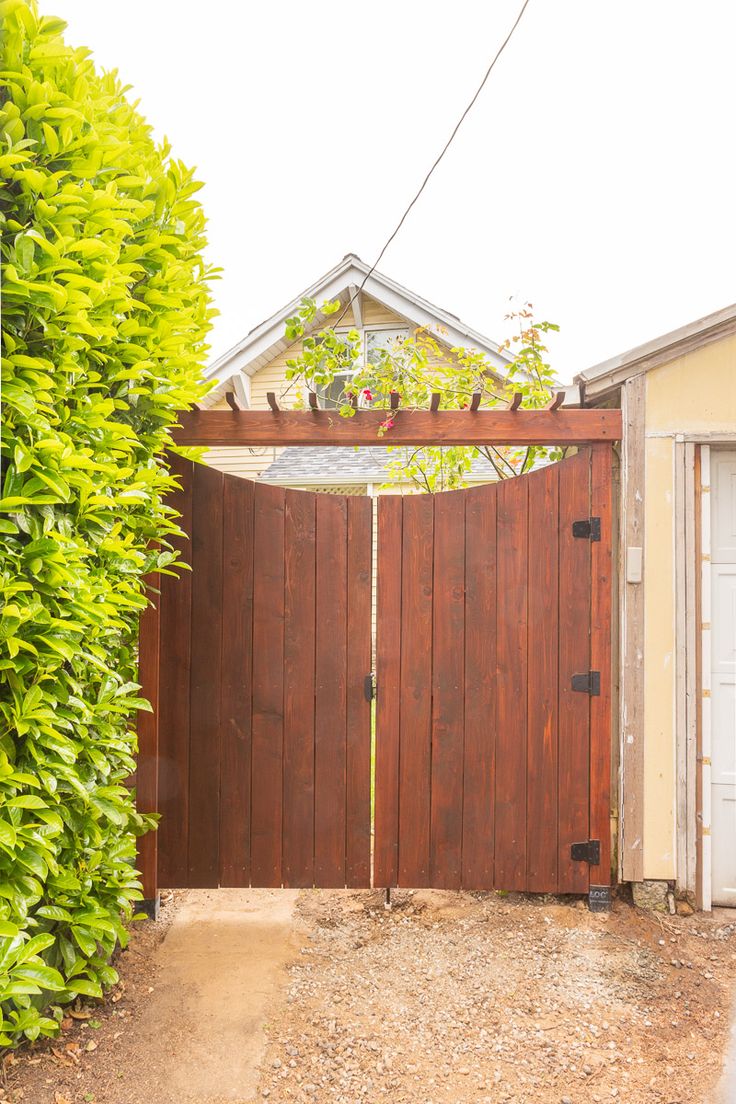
(693, 395)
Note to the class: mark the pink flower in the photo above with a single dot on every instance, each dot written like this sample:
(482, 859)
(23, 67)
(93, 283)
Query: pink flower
(367, 394)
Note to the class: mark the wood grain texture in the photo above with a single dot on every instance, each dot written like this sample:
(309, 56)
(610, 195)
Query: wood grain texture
(574, 658)
(205, 677)
(511, 644)
(358, 824)
(542, 681)
(600, 660)
(416, 690)
(330, 762)
(300, 612)
(175, 649)
(236, 692)
(268, 688)
(448, 690)
(633, 595)
(146, 780)
(480, 687)
(254, 428)
(388, 674)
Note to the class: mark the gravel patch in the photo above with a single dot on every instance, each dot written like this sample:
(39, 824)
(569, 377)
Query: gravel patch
(452, 998)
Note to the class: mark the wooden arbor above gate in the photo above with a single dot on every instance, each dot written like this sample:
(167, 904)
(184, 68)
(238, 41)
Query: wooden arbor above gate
(578, 427)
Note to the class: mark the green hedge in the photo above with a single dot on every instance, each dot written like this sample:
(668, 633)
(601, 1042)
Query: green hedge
(105, 314)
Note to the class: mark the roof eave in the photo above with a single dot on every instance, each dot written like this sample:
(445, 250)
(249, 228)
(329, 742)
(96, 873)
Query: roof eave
(610, 374)
(266, 341)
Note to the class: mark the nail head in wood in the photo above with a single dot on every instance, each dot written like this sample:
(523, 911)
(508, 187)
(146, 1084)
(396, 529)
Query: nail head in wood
(271, 400)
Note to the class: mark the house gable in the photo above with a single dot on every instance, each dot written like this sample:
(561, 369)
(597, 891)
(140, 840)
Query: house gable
(377, 300)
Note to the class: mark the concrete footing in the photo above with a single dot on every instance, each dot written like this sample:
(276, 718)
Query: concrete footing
(651, 895)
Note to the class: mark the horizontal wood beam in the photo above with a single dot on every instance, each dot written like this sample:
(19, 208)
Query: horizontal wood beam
(249, 428)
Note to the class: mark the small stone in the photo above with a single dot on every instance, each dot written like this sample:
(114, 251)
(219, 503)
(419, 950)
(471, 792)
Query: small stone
(565, 1100)
(276, 1063)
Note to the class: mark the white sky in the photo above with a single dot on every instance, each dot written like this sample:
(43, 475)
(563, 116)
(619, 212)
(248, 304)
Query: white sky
(594, 177)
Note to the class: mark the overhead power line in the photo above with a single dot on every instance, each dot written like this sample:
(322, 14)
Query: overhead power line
(445, 148)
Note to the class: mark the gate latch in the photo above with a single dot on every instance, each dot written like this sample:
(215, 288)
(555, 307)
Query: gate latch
(589, 852)
(369, 687)
(588, 529)
(589, 683)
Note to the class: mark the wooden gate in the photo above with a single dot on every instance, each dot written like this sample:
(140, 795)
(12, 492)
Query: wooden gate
(492, 752)
(264, 725)
(493, 675)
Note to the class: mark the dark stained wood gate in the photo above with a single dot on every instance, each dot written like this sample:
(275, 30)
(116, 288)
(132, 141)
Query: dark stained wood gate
(264, 726)
(489, 765)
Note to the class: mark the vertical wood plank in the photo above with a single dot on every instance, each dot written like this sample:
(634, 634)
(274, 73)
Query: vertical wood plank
(701, 893)
(691, 648)
(268, 687)
(236, 690)
(416, 691)
(480, 687)
(542, 681)
(175, 645)
(631, 662)
(330, 751)
(600, 660)
(359, 576)
(448, 690)
(388, 671)
(574, 658)
(299, 688)
(511, 645)
(146, 781)
(204, 695)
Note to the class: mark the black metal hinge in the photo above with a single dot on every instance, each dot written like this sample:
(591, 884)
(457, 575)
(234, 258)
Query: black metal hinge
(589, 683)
(369, 687)
(589, 529)
(589, 852)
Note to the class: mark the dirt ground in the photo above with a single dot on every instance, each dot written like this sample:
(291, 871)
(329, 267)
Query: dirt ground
(446, 999)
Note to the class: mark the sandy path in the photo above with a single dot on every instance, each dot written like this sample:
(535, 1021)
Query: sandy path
(188, 1024)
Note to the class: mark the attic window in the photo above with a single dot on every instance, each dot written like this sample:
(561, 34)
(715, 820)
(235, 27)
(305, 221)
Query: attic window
(375, 342)
(379, 341)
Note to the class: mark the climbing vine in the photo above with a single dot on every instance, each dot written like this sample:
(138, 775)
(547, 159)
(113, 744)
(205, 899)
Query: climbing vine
(414, 369)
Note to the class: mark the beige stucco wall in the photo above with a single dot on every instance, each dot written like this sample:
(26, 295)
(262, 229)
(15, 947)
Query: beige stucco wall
(695, 394)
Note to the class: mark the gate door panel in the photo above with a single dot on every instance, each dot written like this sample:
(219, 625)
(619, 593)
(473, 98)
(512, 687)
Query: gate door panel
(483, 748)
(265, 732)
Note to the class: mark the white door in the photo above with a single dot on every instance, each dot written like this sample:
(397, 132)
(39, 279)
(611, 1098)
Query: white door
(723, 675)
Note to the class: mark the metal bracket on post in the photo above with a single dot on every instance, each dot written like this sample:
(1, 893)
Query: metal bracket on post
(151, 906)
(599, 898)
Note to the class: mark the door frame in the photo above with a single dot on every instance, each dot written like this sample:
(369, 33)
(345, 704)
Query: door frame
(693, 720)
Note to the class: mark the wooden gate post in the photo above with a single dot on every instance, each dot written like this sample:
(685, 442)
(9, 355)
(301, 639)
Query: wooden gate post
(600, 660)
(147, 771)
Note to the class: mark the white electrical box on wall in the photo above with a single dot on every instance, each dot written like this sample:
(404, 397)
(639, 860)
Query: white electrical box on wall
(634, 559)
